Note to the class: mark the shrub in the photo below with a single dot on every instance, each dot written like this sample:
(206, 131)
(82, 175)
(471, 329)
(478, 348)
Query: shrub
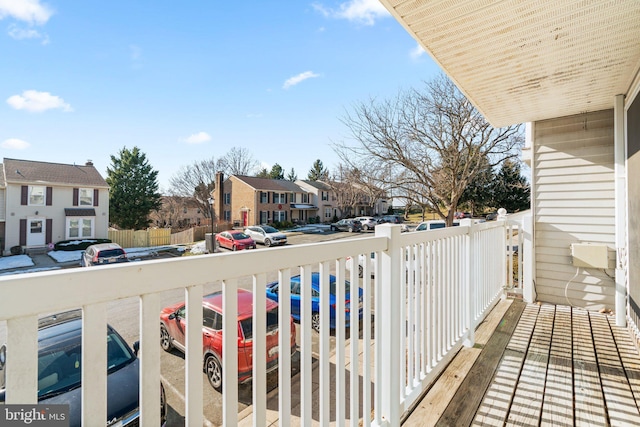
(78, 244)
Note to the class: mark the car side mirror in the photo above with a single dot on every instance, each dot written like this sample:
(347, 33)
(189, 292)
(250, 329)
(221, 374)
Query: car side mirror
(172, 316)
(136, 347)
(3, 356)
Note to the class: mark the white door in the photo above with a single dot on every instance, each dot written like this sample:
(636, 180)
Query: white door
(36, 231)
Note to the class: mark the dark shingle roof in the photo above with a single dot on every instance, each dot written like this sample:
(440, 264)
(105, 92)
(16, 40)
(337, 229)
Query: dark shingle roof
(27, 171)
(267, 184)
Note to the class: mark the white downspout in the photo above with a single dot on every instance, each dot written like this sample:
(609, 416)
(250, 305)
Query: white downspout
(528, 251)
(620, 210)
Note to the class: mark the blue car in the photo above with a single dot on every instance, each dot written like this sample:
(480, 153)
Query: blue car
(272, 293)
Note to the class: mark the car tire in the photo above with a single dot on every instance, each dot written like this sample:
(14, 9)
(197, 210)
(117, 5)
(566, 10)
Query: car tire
(267, 242)
(365, 228)
(315, 321)
(165, 339)
(213, 369)
(350, 229)
(360, 272)
(233, 248)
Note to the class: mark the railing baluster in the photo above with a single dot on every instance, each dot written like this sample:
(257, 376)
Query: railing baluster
(366, 339)
(259, 380)
(354, 332)
(229, 354)
(306, 356)
(149, 359)
(94, 363)
(22, 360)
(340, 356)
(284, 342)
(325, 347)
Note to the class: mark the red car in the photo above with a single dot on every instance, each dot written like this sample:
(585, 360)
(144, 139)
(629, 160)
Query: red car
(172, 330)
(235, 240)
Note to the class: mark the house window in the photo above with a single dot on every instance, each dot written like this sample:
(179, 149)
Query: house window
(227, 215)
(327, 212)
(305, 198)
(279, 198)
(37, 195)
(85, 196)
(78, 227)
(279, 216)
(325, 195)
(227, 198)
(264, 197)
(264, 217)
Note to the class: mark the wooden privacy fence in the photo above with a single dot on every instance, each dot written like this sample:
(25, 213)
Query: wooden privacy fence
(141, 238)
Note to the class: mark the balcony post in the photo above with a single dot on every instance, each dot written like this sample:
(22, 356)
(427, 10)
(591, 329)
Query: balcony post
(470, 275)
(528, 259)
(388, 352)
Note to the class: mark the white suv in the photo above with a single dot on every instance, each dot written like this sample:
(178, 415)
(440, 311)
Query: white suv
(266, 235)
(368, 222)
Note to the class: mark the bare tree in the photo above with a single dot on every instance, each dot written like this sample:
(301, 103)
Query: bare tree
(196, 181)
(429, 143)
(238, 161)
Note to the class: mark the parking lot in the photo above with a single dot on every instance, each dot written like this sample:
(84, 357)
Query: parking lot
(124, 315)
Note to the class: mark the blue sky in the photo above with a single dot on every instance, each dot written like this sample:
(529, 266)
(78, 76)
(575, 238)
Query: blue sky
(185, 81)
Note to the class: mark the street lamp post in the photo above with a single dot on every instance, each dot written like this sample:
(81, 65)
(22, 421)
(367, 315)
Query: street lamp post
(213, 236)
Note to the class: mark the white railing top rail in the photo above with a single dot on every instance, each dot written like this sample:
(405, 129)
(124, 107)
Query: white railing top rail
(60, 290)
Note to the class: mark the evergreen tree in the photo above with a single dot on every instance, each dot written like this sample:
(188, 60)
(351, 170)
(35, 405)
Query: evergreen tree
(263, 173)
(318, 172)
(292, 175)
(479, 193)
(510, 189)
(134, 189)
(276, 172)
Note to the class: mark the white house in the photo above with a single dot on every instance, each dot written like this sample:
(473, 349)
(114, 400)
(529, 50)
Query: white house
(43, 203)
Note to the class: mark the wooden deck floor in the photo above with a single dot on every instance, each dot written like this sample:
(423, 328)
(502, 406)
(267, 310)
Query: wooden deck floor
(541, 365)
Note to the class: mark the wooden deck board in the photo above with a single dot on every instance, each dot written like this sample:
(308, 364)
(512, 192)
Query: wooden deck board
(462, 408)
(562, 366)
(497, 400)
(527, 400)
(621, 405)
(588, 398)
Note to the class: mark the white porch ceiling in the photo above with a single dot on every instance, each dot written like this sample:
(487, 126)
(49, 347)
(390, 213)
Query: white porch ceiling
(529, 60)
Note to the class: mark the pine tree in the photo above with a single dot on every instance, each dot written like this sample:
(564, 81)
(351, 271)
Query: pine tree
(276, 172)
(292, 175)
(318, 172)
(510, 189)
(134, 189)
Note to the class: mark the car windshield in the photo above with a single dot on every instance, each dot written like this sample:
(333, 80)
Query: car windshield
(269, 229)
(60, 359)
(332, 286)
(272, 323)
(239, 236)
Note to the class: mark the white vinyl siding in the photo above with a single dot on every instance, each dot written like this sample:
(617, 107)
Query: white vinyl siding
(573, 177)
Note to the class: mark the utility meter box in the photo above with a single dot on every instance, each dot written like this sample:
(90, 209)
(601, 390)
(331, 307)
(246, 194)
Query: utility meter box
(590, 255)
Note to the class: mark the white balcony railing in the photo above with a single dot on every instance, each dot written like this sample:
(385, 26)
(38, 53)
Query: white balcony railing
(427, 293)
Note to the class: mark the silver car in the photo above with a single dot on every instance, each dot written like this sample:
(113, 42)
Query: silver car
(266, 234)
(368, 222)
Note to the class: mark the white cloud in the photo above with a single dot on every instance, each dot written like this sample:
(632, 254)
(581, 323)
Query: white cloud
(37, 102)
(417, 52)
(30, 11)
(364, 12)
(292, 81)
(15, 144)
(197, 138)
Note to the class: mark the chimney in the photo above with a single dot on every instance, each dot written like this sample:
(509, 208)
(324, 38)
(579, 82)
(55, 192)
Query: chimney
(89, 163)
(220, 194)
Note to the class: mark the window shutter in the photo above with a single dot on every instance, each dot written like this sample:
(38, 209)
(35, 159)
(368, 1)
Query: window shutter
(49, 200)
(96, 193)
(23, 232)
(75, 196)
(285, 197)
(24, 195)
(49, 231)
